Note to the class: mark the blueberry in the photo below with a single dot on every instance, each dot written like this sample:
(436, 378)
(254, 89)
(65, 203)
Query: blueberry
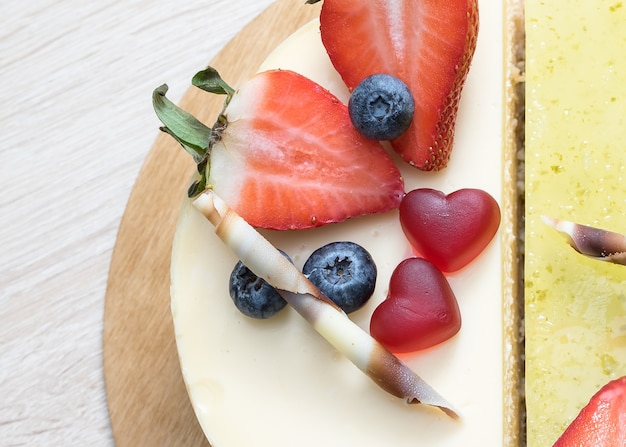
(381, 107)
(252, 295)
(345, 272)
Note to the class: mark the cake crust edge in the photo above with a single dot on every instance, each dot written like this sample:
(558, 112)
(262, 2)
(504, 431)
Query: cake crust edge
(512, 236)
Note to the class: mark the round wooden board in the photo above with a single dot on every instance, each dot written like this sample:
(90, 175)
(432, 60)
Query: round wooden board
(147, 399)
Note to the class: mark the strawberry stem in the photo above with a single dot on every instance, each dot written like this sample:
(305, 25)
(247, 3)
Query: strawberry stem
(194, 136)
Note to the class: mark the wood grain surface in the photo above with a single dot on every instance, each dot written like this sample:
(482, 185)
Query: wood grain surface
(147, 400)
(76, 125)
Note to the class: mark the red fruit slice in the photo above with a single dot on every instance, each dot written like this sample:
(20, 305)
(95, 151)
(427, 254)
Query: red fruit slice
(420, 310)
(451, 230)
(289, 157)
(602, 423)
(428, 44)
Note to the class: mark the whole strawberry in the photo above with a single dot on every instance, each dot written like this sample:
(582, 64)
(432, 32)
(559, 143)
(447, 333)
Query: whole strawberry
(283, 154)
(428, 44)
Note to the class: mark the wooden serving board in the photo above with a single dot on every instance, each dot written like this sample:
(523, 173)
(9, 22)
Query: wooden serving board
(148, 402)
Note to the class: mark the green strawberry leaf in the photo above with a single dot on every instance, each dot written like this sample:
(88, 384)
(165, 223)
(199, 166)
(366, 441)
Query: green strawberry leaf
(210, 81)
(193, 136)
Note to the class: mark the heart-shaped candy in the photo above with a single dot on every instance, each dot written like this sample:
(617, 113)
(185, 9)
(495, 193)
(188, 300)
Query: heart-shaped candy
(420, 310)
(449, 230)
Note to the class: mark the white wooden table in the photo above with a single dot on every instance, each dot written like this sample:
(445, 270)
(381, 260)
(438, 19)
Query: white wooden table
(76, 123)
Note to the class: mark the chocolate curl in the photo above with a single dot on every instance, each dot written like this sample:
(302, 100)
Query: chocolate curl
(262, 258)
(592, 242)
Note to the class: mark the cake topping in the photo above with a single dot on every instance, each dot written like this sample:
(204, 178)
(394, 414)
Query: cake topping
(327, 318)
(449, 230)
(381, 107)
(252, 295)
(420, 310)
(283, 163)
(602, 422)
(429, 45)
(590, 241)
(343, 271)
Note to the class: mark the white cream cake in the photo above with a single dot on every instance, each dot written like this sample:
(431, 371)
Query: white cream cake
(277, 382)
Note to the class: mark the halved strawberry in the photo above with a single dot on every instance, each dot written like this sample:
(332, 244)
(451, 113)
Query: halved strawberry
(284, 154)
(602, 422)
(428, 44)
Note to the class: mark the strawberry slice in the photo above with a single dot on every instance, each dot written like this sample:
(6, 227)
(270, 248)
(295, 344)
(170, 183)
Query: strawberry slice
(284, 154)
(428, 44)
(602, 423)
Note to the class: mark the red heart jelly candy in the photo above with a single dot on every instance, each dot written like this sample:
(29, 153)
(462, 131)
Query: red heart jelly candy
(450, 231)
(420, 310)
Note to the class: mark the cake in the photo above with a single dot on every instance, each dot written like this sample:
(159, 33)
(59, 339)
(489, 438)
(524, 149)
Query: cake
(575, 306)
(302, 373)
(278, 382)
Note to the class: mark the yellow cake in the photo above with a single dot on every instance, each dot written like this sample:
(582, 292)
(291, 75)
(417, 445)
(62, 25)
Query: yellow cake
(575, 170)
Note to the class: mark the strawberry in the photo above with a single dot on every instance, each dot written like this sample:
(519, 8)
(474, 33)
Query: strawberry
(283, 153)
(428, 44)
(602, 422)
